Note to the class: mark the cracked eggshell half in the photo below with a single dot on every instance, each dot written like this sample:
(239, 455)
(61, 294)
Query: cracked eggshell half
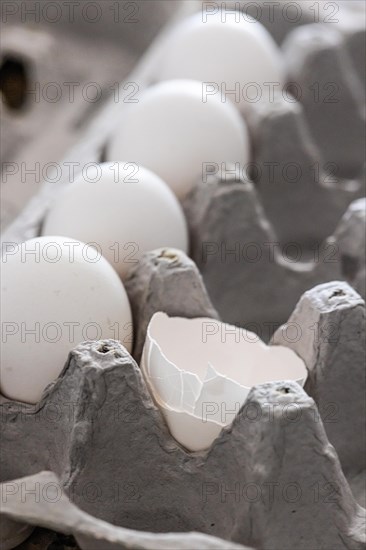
(178, 135)
(200, 372)
(55, 293)
(123, 209)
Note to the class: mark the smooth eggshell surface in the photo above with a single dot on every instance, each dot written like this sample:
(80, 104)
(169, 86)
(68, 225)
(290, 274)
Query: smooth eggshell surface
(123, 209)
(178, 135)
(234, 53)
(51, 300)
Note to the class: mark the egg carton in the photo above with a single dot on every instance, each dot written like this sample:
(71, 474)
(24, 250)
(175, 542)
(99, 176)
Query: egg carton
(140, 479)
(96, 452)
(236, 249)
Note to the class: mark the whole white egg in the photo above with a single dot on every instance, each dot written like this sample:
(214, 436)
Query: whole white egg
(178, 135)
(55, 293)
(232, 53)
(123, 209)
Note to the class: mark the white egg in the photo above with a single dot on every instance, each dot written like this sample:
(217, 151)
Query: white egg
(123, 209)
(232, 54)
(176, 134)
(55, 293)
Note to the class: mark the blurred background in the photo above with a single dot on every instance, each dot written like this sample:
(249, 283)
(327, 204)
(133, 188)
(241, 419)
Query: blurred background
(62, 61)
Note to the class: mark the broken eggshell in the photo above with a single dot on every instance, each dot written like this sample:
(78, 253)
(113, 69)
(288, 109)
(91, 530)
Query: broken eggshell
(200, 372)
